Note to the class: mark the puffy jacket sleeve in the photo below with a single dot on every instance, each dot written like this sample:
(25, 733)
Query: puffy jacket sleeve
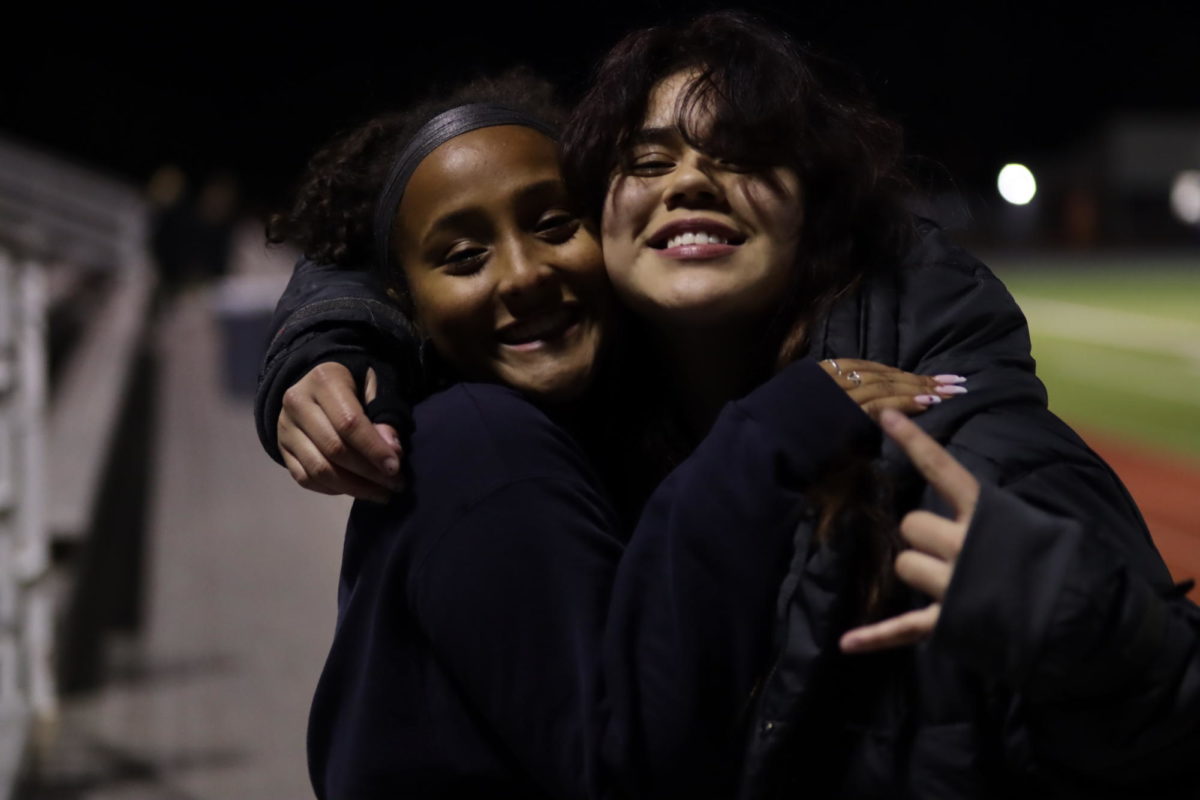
(1064, 606)
(1060, 593)
(332, 314)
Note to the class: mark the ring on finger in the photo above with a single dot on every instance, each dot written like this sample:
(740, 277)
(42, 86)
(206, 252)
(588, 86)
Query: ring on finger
(833, 364)
(854, 377)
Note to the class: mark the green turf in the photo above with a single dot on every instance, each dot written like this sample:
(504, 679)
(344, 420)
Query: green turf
(1118, 349)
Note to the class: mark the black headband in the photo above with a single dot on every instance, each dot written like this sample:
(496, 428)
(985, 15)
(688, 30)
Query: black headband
(439, 130)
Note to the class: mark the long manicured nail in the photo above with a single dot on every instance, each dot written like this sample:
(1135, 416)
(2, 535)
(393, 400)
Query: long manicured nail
(951, 390)
(949, 379)
(391, 465)
(928, 399)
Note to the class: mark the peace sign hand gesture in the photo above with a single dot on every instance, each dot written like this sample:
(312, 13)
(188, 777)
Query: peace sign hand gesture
(936, 541)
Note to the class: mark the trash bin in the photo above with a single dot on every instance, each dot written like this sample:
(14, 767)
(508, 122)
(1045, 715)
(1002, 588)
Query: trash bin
(243, 305)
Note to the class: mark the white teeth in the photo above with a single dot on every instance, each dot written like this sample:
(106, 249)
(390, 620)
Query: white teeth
(537, 328)
(679, 240)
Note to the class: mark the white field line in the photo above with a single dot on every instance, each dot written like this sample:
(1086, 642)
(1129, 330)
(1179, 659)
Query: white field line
(1127, 330)
(1127, 373)
(1130, 333)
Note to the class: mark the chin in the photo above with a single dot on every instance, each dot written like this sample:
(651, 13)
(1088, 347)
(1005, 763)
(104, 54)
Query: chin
(690, 308)
(554, 382)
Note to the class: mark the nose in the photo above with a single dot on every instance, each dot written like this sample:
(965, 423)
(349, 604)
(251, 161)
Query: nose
(526, 277)
(693, 185)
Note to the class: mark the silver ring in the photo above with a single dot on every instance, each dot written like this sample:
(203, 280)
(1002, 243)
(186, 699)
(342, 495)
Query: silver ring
(853, 375)
(833, 364)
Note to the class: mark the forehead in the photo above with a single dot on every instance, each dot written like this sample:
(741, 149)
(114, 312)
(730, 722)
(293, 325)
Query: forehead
(482, 164)
(662, 107)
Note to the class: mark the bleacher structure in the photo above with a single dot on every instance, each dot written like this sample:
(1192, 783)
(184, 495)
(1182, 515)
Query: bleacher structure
(64, 232)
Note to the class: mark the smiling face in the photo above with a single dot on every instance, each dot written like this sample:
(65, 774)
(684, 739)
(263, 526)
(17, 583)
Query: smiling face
(504, 279)
(690, 239)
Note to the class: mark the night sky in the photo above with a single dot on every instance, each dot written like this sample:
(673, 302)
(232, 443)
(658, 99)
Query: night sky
(975, 83)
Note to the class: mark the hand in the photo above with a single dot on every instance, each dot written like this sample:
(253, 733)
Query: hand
(936, 541)
(877, 386)
(328, 443)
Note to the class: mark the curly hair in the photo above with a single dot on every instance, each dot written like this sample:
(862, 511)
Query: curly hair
(332, 214)
(766, 102)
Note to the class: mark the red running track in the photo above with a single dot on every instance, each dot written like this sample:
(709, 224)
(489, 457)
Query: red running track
(1167, 489)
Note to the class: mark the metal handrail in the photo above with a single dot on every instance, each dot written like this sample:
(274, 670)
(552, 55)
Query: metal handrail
(53, 212)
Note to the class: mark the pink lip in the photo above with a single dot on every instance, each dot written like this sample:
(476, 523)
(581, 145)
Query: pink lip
(696, 252)
(537, 344)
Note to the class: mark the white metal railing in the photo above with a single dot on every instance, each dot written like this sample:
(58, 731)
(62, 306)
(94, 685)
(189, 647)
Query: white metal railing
(52, 456)
(62, 212)
(27, 695)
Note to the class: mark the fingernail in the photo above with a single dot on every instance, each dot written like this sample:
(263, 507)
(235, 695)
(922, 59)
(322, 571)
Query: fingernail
(394, 440)
(928, 399)
(952, 390)
(391, 465)
(949, 379)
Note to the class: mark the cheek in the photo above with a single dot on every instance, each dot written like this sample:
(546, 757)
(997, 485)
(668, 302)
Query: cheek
(778, 210)
(625, 208)
(452, 312)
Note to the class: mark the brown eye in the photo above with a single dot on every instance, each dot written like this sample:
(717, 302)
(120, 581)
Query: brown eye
(465, 260)
(557, 226)
(646, 162)
(650, 165)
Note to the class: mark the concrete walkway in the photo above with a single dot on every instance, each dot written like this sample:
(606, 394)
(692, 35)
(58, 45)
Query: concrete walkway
(212, 700)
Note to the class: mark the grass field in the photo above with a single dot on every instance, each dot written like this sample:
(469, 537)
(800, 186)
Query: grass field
(1117, 343)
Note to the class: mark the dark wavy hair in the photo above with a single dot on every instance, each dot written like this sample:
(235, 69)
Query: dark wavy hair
(331, 218)
(767, 102)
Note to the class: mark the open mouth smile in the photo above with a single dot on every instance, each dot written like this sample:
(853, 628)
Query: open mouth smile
(539, 329)
(696, 238)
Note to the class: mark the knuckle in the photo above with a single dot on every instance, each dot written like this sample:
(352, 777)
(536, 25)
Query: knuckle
(325, 371)
(333, 447)
(322, 473)
(293, 397)
(345, 420)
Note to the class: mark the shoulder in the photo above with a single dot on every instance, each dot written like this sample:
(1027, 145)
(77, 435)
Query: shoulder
(935, 265)
(932, 248)
(480, 435)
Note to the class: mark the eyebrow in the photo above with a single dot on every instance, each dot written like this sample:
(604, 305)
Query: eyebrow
(654, 135)
(523, 195)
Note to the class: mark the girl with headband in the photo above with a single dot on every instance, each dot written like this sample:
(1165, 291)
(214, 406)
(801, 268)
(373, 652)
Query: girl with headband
(495, 633)
(1059, 635)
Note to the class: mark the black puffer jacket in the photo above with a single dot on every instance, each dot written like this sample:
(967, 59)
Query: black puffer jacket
(1064, 661)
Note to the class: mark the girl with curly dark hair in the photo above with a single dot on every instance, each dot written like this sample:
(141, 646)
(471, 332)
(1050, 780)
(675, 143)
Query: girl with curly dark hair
(506, 533)
(750, 213)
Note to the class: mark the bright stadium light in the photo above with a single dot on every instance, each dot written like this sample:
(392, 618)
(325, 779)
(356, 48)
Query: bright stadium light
(1016, 184)
(1185, 196)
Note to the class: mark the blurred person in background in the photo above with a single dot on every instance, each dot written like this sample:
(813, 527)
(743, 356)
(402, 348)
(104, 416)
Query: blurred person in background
(1061, 657)
(191, 236)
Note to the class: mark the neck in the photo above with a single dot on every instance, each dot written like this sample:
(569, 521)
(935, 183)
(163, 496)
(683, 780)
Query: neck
(708, 368)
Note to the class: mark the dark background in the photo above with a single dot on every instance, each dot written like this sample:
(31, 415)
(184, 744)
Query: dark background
(255, 90)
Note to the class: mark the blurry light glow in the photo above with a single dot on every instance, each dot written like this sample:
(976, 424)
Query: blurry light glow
(1016, 184)
(1185, 196)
